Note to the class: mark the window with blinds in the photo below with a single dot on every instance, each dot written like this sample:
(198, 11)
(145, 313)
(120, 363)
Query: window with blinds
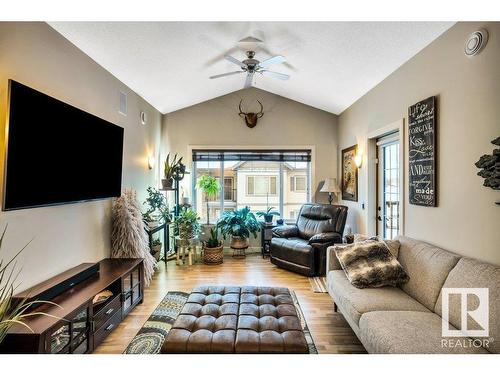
(258, 179)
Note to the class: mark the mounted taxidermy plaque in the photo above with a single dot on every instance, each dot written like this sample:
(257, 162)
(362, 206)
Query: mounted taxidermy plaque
(422, 153)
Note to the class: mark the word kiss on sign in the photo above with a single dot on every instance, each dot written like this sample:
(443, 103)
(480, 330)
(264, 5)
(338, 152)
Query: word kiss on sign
(422, 153)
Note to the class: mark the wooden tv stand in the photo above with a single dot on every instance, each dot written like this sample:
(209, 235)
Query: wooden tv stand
(84, 326)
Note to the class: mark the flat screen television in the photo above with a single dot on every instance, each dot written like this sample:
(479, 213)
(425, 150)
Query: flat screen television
(57, 153)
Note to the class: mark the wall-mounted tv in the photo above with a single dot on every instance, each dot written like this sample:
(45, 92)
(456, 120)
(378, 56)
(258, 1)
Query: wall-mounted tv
(57, 153)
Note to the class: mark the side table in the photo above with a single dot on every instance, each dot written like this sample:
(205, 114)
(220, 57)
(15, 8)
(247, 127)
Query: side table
(186, 247)
(266, 235)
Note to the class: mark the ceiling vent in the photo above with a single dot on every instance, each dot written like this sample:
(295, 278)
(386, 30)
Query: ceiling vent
(476, 42)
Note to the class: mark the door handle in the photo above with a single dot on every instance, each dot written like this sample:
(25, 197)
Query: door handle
(110, 327)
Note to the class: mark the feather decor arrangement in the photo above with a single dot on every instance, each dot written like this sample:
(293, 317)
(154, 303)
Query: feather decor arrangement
(128, 234)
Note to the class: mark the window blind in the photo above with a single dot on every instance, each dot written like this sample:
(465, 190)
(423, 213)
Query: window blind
(252, 155)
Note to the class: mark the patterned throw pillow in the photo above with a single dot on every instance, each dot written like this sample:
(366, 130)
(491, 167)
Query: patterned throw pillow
(370, 264)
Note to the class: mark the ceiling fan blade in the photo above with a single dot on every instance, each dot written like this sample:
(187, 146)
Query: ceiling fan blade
(273, 60)
(281, 76)
(249, 80)
(226, 74)
(234, 61)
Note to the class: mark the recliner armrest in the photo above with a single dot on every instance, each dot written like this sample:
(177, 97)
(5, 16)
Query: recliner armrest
(326, 237)
(286, 231)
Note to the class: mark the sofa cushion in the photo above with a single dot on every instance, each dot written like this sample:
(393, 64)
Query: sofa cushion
(471, 273)
(294, 250)
(355, 302)
(406, 332)
(428, 267)
(370, 264)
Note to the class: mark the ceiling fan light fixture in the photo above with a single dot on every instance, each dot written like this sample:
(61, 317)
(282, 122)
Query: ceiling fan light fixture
(251, 66)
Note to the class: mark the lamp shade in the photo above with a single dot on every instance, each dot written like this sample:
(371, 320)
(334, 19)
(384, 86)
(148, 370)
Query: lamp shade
(330, 186)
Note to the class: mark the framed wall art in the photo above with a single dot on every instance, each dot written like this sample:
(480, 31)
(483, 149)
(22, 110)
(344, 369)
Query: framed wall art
(422, 153)
(349, 174)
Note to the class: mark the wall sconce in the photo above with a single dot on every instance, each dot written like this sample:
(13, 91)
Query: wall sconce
(358, 159)
(151, 161)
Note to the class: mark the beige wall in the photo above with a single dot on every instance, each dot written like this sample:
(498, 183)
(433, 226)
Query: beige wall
(468, 90)
(65, 236)
(286, 123)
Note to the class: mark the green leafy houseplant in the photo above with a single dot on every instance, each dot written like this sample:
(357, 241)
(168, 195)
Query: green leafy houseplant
(156, 248)
(213, 241)
(268, 214)
(13, 312)
(169, 170)
(156, 204)
(210, 186)
(239, 224)
(213, 249)
(186, 224)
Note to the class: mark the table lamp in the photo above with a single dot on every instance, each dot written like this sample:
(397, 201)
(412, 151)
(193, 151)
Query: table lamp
(330, 186)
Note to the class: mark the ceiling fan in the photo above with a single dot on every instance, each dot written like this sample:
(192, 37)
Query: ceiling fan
(252, 66)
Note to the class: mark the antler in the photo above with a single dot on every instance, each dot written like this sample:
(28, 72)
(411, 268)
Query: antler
(241, 111)
(261, 112)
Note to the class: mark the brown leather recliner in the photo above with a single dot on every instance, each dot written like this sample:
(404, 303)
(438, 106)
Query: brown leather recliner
(302, 247)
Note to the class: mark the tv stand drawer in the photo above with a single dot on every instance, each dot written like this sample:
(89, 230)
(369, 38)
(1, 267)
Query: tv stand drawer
(107, 312)
(107, 327)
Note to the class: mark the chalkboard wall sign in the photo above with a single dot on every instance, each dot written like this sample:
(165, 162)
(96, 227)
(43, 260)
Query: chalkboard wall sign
(422, 153)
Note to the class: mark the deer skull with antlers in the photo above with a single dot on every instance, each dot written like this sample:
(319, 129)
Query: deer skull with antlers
(250, 117)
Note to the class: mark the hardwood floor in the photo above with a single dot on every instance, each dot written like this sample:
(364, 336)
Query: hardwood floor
(330, 331)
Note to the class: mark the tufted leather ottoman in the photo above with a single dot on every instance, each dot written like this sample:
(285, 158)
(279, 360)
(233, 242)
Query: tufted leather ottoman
(224, 319)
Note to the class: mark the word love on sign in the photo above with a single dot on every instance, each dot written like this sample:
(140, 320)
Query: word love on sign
(422, 153)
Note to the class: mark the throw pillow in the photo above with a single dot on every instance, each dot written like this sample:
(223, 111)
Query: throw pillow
(393, 245)
(370, 264)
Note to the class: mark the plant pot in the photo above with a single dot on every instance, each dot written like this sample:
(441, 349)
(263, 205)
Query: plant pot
(239, 242)
(268, 219)
(213, 255)
(156, 252)
(167, 183)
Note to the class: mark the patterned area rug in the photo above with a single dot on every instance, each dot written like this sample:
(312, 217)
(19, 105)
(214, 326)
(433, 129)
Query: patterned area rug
(151, 336)
(318, 284)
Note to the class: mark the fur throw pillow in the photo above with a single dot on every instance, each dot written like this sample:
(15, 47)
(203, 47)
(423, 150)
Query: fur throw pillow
(370, 264)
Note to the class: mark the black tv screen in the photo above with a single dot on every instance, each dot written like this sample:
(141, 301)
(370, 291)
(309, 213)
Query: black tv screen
(57, 153)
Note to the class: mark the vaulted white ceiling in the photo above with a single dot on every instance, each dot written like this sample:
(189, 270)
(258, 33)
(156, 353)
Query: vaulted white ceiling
(332, 64)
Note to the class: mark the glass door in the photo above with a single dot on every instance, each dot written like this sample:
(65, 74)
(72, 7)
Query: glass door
(388, 187)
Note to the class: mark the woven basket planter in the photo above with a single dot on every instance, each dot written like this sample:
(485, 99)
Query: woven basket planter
(213, 255)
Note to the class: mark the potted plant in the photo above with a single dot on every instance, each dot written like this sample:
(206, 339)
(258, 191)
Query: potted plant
(14, 312)
(268, 215)
(156, 249)
(170, 169)
(213, 250)
(157, 208)
(239, 225)
(186, 224)
(210, 186)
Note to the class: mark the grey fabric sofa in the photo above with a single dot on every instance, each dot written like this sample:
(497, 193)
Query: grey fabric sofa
(408, 319)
